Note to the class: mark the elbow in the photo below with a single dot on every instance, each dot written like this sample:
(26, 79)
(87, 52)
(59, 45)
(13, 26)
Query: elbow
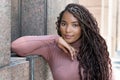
(16, 46)
(13, 47)
(16, 49)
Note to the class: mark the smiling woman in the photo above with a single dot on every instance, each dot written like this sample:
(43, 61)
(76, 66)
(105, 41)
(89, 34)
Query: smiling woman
(70, 28)
(78, 52)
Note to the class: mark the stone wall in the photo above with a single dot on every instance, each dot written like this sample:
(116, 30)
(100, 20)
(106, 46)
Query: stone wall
(5, 26)
(33, 15)
(10, 69)
(19, 69)
(15, 19)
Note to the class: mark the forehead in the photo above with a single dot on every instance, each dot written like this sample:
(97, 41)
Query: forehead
(67, 16)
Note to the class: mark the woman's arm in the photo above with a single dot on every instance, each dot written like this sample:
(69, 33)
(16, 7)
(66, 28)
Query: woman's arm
(40, 45)
(28, 45)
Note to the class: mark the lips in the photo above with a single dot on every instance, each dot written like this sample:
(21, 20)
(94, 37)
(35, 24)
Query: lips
(68, 36)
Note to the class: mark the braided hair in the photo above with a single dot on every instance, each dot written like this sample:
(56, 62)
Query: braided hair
(93, 56)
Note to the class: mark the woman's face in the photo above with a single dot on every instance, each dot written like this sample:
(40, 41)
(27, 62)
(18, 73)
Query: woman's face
(70, 28)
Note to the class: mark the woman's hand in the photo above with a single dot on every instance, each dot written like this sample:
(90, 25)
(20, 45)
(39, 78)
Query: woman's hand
(66, 47)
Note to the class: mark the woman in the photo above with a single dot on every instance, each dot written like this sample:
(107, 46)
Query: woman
(78, 53)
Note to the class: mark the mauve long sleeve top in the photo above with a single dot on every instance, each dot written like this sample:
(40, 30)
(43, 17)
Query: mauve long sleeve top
(62, 67)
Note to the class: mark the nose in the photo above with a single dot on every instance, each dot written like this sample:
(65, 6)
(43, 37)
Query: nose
(68, 29)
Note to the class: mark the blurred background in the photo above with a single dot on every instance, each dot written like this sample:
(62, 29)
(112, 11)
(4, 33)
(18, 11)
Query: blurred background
(38, 17)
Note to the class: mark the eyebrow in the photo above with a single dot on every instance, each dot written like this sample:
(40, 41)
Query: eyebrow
(72, 22)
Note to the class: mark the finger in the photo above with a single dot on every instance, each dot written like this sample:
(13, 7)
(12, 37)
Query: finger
(72, 56)
(73, 53)
(66, 47)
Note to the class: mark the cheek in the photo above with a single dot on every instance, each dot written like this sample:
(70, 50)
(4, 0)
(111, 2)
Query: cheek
(78, 32)
(61, 30)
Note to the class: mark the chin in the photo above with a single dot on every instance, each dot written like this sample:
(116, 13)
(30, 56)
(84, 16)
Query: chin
(69, 41)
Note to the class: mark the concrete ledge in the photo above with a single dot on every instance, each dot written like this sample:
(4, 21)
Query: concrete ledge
(5, 73)
(19, 68)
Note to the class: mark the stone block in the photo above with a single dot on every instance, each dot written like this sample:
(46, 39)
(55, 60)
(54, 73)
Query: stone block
(49, 74)
(42, 70)
(33, 17)
(5, 73)
(15, 19)
(5, 27)
(19, 69)
(39, 68)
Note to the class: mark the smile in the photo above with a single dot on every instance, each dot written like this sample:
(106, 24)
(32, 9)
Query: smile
(68, 36)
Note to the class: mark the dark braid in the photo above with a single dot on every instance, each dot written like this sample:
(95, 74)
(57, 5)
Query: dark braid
(93, 56)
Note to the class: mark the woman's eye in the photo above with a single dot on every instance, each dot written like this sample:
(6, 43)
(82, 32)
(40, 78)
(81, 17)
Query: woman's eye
(63, 24)
(75, 25)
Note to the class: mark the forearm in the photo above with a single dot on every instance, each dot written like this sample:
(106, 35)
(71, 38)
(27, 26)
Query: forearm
(31, 44)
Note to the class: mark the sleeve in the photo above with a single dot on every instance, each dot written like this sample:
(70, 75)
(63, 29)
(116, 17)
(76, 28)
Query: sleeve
(30, 45)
